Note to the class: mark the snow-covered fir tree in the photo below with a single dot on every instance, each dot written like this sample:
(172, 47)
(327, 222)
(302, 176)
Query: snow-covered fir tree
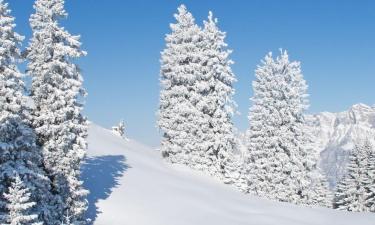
(355, 190)
(57, 93)
(119, 129)
(370, 184)
(11, 84)
(196, 102)
(215, 91)
(19, 205)
(18, 150)
(181, 63)
(280, 160)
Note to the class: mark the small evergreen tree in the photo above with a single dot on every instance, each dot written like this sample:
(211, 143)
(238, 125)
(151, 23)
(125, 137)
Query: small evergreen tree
(355, 191)
(119, 129)
(57, 90)
(67, 219)
(19, 205)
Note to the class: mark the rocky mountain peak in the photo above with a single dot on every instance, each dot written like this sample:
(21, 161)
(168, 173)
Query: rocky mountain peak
(336, 133)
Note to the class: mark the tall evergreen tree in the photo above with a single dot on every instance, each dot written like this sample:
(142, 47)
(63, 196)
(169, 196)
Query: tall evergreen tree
(215, 90)
(19, 205)
(279, 160)
(18, 151)
(355, 190)
(57, 90)
(180, 67)
(196, 102)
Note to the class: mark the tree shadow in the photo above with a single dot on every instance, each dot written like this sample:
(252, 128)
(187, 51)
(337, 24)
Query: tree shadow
(101, 175)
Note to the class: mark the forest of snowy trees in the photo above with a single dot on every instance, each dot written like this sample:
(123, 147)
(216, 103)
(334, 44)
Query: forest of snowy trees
(280, 162)
(43, 132)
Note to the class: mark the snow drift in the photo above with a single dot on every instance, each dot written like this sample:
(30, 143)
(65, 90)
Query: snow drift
(131, 185)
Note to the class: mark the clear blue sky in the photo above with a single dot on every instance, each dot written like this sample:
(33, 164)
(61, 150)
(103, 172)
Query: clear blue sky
(334, 40)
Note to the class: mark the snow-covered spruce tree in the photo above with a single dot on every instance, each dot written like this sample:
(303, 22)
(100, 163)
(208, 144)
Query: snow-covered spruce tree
(18, 151)
(11, 84)
(280, 160)
(181, 63)
(352, 193)
(57, 91)
(215, 102)
(19, 205)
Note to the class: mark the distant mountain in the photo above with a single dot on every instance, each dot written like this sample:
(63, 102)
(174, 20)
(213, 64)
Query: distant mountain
(336, 134)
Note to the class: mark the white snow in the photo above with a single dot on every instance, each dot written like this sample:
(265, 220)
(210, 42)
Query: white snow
(131, 185)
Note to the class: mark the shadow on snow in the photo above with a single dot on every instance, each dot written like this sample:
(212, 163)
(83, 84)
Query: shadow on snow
(101, 175)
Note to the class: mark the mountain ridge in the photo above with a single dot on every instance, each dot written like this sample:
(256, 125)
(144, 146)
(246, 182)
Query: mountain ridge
(335, 135)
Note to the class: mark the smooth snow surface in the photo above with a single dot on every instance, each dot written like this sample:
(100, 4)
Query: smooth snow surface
(131, 185)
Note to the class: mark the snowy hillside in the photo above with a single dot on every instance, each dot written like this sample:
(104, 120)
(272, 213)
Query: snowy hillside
(335, 135)
(131, 185)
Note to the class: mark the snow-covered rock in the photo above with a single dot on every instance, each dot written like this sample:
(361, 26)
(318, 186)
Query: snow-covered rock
(335, 136)
(131, 185)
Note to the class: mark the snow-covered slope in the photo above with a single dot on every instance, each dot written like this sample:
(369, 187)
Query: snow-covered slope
(335, 136)
(131, 185)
